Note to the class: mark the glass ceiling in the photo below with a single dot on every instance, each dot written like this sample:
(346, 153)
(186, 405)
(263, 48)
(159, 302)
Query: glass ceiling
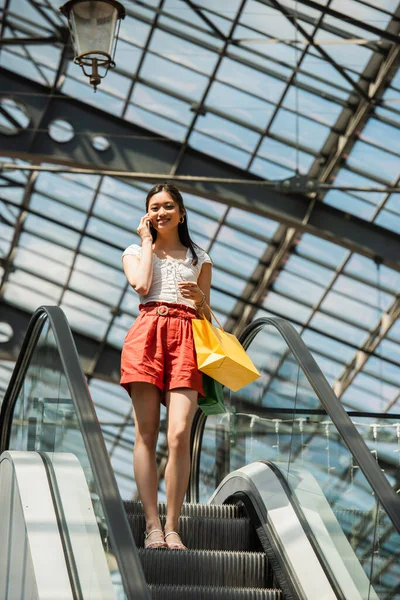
(219, 77)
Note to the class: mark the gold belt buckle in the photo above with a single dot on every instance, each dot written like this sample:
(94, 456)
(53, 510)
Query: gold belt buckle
(162, 310)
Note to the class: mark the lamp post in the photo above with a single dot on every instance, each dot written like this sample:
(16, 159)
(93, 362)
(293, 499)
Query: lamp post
(93, 25)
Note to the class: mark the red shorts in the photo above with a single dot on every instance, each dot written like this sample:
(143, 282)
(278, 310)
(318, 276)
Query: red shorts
(159, 349)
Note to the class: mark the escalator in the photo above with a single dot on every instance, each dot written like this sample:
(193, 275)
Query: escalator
(271, 513)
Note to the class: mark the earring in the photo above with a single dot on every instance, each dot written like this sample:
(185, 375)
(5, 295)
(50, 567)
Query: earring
(182, 219)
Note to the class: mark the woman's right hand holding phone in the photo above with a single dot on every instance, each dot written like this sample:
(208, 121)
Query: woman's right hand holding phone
(144, 228)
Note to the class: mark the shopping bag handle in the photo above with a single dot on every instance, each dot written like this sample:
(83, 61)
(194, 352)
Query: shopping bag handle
(210, 309)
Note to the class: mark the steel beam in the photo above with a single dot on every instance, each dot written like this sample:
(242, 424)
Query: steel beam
(136, 149)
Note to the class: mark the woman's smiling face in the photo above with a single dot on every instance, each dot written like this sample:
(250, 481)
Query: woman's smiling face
(163, 211)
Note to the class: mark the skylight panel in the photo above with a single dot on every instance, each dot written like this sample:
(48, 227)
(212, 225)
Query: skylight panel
(366, 14)
(338, 329)
(102, 251)
(364, 293)
(222, 302)
(84, 93)
(172, 76)
(381, 134)
(348, 178)
(51, 231)
(264, 44)
(312, 105)
(284, 155)
(41, 266)
(25, 297)
(84, 322)
(200, 224)
(101, 272)
(352, 310)
(56, 251)
(365, 268)
(13, 194)
(319, 342)
(57, 211)
(353, 56)
(183, 52)
(163, 104)
(6, 237)
(254, 224)
(298, 289)
(314, 65)
(241, 241)
(105, 231)
(383, 165)
(117, 213)
(284, 307)
(130, 302)
(233, 260)
(22, 66)
(133, 31)
(393, 203)
(226, 281)
(268, 170)
(64, 189)
(227, 131)
(350, 204)
(212, 209)
(382, 369)
(326, 252)
(35, 284)
(125, 192)
(249, 79)
(240, 105)
(310, 134)
(156, 123)
(309, 270)
(388, 220)
(94, 287)
(208, 145)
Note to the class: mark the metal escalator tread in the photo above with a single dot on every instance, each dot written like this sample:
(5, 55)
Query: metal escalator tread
(220, 511)
(223, 561)
(204, 567)
(203, 533)
(183, 592)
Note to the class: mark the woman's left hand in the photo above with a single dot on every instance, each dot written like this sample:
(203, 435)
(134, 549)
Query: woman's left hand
(191, 291)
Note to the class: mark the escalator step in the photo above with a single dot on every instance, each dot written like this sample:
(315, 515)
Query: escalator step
(186, 592)
(218, 511)
(207, 533)
(204, 567)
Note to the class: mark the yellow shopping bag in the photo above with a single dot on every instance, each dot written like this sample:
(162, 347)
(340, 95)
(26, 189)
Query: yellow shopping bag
(221, 356)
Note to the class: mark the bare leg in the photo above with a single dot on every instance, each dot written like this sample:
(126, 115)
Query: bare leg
(181, 406)
(146, 405)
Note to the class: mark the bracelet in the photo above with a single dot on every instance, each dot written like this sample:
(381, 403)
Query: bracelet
(200, 304)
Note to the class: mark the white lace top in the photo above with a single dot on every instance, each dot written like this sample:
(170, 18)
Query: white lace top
(167, 272)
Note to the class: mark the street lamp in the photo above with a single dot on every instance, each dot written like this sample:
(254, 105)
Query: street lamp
(93, 26)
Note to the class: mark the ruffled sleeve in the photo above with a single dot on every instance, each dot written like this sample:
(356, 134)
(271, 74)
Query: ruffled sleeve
(203, 257)
(133, 250)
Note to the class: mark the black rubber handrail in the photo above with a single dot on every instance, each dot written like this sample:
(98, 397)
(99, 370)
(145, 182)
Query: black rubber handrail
(123, 545)
(389, 500)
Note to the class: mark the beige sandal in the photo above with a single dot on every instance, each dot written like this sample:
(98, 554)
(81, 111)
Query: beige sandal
(158, 544)
(176, 545)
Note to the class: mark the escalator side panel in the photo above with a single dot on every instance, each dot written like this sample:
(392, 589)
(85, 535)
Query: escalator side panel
(32, 563)
(280, 524)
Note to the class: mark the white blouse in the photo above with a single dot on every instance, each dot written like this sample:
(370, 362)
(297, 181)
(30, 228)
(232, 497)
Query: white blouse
(167, 272)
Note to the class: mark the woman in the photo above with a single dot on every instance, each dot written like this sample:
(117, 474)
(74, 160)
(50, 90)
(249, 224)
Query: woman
(172, 276)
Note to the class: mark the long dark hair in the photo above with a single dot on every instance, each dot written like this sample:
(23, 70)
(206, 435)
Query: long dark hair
(183, 230)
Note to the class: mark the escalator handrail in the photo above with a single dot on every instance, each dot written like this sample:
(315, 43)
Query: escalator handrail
(382, 489)
(124, 547)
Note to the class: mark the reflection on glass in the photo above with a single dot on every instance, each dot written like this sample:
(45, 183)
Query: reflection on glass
(279, 418)
(45, 420)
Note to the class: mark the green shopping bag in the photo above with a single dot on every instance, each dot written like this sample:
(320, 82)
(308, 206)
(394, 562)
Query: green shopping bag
(213, 403)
